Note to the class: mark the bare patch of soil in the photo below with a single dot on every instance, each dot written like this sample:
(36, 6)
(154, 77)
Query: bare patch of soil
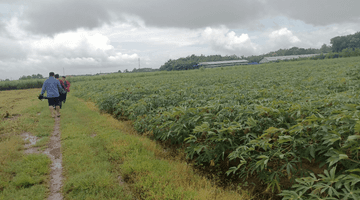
(54, 152)
(32, 141)
(8, 116)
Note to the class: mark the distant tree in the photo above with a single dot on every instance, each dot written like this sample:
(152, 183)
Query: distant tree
(340, 43)
(325, 49)
(39, 76)
(119, 71)
(34, 76)
(191, 62)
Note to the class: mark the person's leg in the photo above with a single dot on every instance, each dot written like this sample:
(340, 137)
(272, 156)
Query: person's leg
(57, 106)
(64, 97)
(58, 111)
(52, 111)
(51, 106)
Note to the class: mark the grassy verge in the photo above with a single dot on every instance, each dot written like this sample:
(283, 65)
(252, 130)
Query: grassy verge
(88, 172)
(98, 155)
(23, 176)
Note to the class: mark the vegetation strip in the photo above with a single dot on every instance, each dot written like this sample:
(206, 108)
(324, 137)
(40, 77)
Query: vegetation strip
(88, 173)
(273, 126)
(23, 175)
(98, 157)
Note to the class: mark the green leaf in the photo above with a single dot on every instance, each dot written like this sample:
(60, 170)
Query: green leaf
(285, 138)
(312, 151)
(352, 138)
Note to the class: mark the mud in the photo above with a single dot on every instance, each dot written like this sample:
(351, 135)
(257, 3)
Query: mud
(54, 152)
(121, 180)
(32, 141)
(11, 117)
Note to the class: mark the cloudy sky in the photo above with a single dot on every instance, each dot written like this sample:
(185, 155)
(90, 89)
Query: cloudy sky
(92, 36)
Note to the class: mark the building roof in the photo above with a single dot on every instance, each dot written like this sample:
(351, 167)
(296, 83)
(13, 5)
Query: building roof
(275, 58)
(223, 62)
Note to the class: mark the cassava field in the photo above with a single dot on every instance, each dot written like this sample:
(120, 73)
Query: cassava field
(287, 130)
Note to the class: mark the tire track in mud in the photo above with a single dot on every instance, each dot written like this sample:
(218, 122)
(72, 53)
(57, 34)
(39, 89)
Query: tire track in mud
(54, 152)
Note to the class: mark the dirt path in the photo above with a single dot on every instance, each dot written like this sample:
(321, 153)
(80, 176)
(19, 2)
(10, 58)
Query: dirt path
(55, 155)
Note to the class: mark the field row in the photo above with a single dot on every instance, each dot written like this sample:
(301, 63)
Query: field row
(280, 122)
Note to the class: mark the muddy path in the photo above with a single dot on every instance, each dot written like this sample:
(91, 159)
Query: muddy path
(54, 152)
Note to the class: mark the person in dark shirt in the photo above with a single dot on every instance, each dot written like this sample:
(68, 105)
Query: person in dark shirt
(66, 85)
(61, 97)
(51, 86)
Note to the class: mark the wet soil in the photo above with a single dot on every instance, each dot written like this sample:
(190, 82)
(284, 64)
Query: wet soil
(54, 152)
(29, 149)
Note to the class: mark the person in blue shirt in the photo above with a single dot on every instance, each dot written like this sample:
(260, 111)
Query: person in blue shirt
(61, 97)
(51, 86)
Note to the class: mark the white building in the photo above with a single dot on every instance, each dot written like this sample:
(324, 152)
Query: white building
(223, 63)
(276, 58)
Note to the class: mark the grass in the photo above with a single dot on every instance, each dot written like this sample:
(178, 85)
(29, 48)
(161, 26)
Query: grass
(23, 176)
(88, 172)
(98, 149)
(102, 157)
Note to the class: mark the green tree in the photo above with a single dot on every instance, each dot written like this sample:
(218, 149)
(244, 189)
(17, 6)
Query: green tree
(325, 49)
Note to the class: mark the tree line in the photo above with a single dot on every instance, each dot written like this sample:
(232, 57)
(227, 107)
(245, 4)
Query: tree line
(341, 46)
(34, 76)
(340, 43)
(191, 62)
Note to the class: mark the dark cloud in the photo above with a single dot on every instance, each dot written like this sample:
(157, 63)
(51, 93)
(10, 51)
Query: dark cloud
(195, 14)
(50, 17)
(319, 12)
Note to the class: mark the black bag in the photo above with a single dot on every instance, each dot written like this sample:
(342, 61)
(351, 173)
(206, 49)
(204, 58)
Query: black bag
(61, 90)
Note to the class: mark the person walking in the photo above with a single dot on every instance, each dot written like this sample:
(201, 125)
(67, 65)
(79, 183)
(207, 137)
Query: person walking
(61, 97)
(51, 86)
(66, 85)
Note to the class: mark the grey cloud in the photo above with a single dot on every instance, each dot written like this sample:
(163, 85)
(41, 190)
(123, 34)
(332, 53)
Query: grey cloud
(319, 12)
(51, 17)
(2, 27)
(195, 14)
(11, 50)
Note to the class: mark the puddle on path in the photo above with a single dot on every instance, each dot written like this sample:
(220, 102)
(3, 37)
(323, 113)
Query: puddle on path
(32, 141)
(54, 153)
